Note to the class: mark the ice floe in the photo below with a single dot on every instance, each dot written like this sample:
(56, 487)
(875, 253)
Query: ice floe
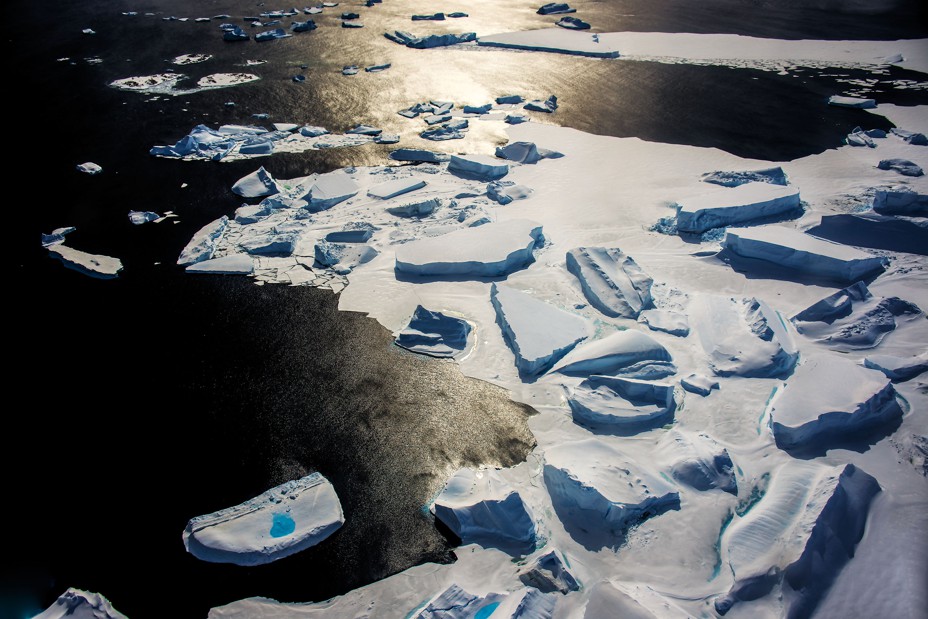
(94, 265)
(736, 205)
(257, 184)
(166, 83)
(280, 522)
(434, 334)
(235, 264)
(611, 281)
(89, 168)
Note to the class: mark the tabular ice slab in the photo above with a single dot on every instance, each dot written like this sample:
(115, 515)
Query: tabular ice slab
(735, 205)
(94, 265)
(278, 523)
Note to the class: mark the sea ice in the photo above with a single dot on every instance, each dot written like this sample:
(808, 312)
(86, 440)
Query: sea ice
(898, 369)
(343, 257)
(548, 573)
(602, 492)
(734, 178)
(311, 131)
(830, 399)
(699, 384)
(142, 217)
(735, 205)
(94, 265)
(270, 35)
(235, 33)
(611, 281)
(791, 249)
(852, 318)
(803, 531)
(611, 354)
(330, 189)
(481, 508)
(456, 603)
(278, 523)
(478, 167)
(434, 334)
(396, 187)
(257, 184)
(89, 168)
(700, 462)
(743, 337)
(525, 152)
(235, 264)
(667, 321)
(608, 402)
(420, 208)
(416, 156)
(505, 192)
(608, 602)
(902, 166)
(538, 333)
(548, 105)
(203, 243)
(855, 102)
(447, 131)
(360, 234)
(185, 59)
(79, 604)
(572, 23)
(364, 130)
(377, 68)
(555, 8)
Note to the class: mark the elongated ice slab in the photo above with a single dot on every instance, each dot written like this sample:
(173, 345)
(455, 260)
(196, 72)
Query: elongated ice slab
(612, 353)
(94, 265)
(611, 281)
(236, 264)
(478, 167)
(557, 40)
(735, 205)
(391, 189)
(278, 523)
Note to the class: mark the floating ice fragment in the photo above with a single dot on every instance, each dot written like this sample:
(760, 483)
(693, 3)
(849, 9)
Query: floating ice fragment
(94, 265)
(505, 192)
(458, 14)
(700, 462)
(310, 131)
(89, 168)
(185, 59)
(432, 17)
(420, 208)
(555, 8)
(514, 99)
(303, 26)
(548, 105)
(854, 102)
(235, 33)
(437, 40)
(142, 217)
(88, 31)
(391, 189)
(387, 138)
(364, 130)
(352, 24)
(859, 138)
(775, 176)
(270, 35)
(611, 281)
(478, 109)
(901, 200)
(278, 523)
(235, 264)
(434, 334)
(572, 23)
(377, 68)
(516, 118)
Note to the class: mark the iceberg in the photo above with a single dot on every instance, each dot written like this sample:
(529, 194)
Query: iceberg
(481, 508)
(79, 604)
(667, 321)
(257, 184)
(555, 8)
(548, 573)
(805, 254)
(391, 189)
(343, 257)
(700, 462)
(505, 192)
(235, 264)
(330, 189)
(609, 402)
(138, 218)
(538, 333)
(572, 23)
(611, 354)
(744, 337)
(699, 384)
(415, 209)
(913, 138)
(898, 369)
(280, 522)
(734, 178)
(602, 492)
(611, 281)
(477, 167)
(548, 105)
(853, 102)
(803, 531)
(900, 200)
(828, 400)
(434, 334)
(418, 156)
(490, 250)
(89, 168)
(902, 166)
(646, 370)
(852, 318)
(203, 243)
(525, 152)
(457, 15)
(94, 265)
(739, 204)
(290, 127)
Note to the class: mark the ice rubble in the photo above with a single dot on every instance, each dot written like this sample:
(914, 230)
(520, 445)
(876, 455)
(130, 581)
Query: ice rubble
(791, 249)
(537, 332)
(434, 333)
(852, 318)
(477, 167)
(803, 531)
(898, 369)
(235, 264)
(482, 508)
(724, 207)
(79, 604)
(608, 402)
(611, 281)
(343, 257)
(667, 321)
(505, 192)
(829, 400)
(89, 168)
(611, 354)
(735, 178)
(490, 250)
(396, 187)
(275, 524)
(601, 491)
(854, 102)
(255, 185)
(94, 265)
(548, 573)
(698, 461)
(743, 337)
(203, 243)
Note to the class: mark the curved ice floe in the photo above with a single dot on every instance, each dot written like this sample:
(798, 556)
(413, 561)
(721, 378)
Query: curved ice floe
(278, 523)
(612, 353)
(830, 400)
(607, 402)
(481, 508)
(611, 281)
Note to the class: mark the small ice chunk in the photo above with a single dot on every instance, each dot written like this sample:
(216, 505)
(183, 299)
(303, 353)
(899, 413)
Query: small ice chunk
(478, 167)
(94, 265)
(855, 102)
(572, 23)
(736, 205)
(270, 35)
(235, 264)
(447, 131)
(343, 257)
(548, 573)
(555, 8)
(505, 192)
(387, 138)
(88, 31)
(289, 127)
(420, 208)
(859, 138)
(311, 131)
(364, 130)
(330, 189)
(89, 168)
(417, 155)
(441, 40)
(79, 604)
(377, 68)
(525, 152)
(547, 106)
(257, 184)
(435, 119)
(203, 243)
(516, 118)
(538, 333)
(351, 69)
(352, 24)
(481, 508)
(775, 176)
(667, 321)
(391, 189)
(478, 109)
(434, 334)
(898, 369)
(303, 26)
(351, 235)
(902, 166)
(278, 523)
(432, 17)
(457, 15)
(509, 99)
(235, 34)
(699, 384)
(830, 399)
(606, 402)
(700, 462)
(800, 252)
(612, 353)
(611, 281)
(913, 138)
(142, 217)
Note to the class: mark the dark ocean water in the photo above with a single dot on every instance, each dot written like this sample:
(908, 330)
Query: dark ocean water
(147, 400)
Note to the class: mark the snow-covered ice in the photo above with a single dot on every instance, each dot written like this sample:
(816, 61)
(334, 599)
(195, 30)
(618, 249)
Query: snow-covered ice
(280, 522)
(89, 168)
(735, 205)
(608, 402)
(733, 178)
(434, 333)
(505, 192)
(854, 102)
(478, 167)
(548, 572)
(79, 604)
(902, 166)
(57, 236)
(898, 369)
(699, 384)
(668, 321)
(900, 200)
(611, 281)
(525, 152)
(343, 257)
(94, 265)
(612, 353)
(142, 217)
(203, 243)
(257, 184)
(418, 208)
(396, 187)
(331, 189)
(236, 264)
(700, 462)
